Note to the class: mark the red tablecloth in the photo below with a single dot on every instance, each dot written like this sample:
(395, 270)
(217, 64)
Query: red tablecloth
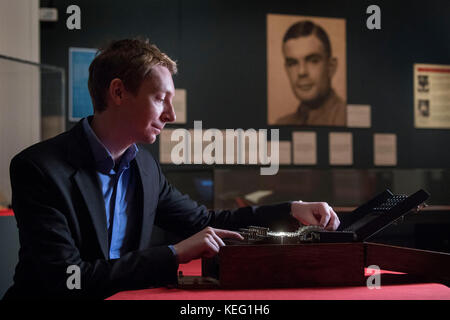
(7, 212)
(417, 291)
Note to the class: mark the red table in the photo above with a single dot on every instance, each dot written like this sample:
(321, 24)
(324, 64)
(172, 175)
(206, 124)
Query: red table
(416, 291)
(6, 212)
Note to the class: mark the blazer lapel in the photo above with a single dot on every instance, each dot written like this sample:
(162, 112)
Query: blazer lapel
(90, 190)
(80, 156)
(148, 197)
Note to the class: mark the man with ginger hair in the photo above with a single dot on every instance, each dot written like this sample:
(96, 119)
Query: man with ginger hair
(90, 197)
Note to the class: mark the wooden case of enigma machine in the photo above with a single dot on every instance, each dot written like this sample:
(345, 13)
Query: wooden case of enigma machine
(312, 256)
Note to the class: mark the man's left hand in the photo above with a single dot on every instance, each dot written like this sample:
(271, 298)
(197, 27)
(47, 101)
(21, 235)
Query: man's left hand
(315, 213)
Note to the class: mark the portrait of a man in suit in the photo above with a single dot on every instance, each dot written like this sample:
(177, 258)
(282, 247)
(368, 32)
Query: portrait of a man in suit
(310, 65)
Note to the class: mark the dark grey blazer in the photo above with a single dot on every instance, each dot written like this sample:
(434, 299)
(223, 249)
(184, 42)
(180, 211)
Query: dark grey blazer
(61, 219)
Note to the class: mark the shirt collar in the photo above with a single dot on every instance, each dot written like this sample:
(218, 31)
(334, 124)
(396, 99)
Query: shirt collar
(304, 111)
(102, 157)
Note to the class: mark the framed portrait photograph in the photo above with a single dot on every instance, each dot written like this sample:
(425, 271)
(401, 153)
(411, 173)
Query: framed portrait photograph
(306, 71)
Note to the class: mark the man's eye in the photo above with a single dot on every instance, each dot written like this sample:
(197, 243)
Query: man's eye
(291, 62)
(314, 59)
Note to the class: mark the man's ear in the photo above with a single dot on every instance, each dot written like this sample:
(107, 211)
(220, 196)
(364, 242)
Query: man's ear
(116, 91)
(332, 67)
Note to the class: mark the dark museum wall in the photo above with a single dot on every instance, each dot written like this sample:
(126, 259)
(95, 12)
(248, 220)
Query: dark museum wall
(220, 47)
(221, 50)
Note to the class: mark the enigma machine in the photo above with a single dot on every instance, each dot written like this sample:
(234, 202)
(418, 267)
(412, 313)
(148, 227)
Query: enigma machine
(357, 226)
(312, 256)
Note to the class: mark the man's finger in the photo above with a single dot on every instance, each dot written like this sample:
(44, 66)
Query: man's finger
(325, 217)
(334, 222)
(228, 234)
(218, 240)
(212, 246)
(331, 223)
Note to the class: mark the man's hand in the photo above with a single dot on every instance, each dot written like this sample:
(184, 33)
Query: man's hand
(315, 213)
(205, 243)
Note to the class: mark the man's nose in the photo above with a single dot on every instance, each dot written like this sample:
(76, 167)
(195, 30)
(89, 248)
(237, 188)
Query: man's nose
(302, 69)
(168, 114)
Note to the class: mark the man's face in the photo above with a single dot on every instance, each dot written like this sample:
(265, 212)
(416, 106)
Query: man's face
(308, 67)
(151, 108)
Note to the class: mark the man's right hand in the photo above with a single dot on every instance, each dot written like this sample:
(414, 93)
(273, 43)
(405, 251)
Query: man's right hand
(205, 243)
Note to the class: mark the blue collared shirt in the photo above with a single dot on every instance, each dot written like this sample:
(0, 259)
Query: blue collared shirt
(118, 184)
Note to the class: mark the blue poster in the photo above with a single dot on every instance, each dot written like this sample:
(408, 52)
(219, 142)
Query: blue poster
(80, 104)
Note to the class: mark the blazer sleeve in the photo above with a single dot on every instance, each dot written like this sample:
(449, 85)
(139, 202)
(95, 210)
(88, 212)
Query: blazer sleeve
(48, 247)
(178, 213)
